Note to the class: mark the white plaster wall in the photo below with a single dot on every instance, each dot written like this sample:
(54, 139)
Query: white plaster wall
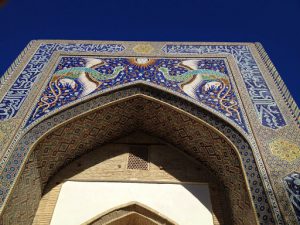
(80, 201)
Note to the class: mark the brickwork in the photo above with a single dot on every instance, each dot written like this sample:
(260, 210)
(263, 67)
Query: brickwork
(62, 145)
(109, 163)
(235, 88)
(132, 214)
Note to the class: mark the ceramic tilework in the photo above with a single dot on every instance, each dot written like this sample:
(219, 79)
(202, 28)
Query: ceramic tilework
(209, 147)
(7, 127)
(294, 109)
(264, 103)
(254, 179)
(12, 101)
(143, 48)
(292, 182)
(262, 99)
(285, 149)
(25, 198)
(213, 84)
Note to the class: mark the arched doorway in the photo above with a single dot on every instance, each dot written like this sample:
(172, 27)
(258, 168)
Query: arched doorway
(136, 168)
(133, 214)
(193, 136)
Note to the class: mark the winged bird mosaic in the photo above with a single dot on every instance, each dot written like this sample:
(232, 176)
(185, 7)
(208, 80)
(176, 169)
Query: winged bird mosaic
(204, 80)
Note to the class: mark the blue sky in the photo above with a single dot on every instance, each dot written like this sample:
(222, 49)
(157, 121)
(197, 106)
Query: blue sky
(274, 23)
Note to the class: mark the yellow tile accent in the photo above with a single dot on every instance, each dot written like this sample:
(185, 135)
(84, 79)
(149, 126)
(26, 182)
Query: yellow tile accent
(143, 48)
(284, 149)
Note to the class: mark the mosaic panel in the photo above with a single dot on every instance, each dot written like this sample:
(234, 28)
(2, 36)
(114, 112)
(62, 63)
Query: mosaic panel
(143, 48)
(7, 127)
(285, 149)
(255, 182)
(12, 101)
(262, 99)
(292, 182)
(63, 145)
(203, 80)
(260, 94)
(26, 197)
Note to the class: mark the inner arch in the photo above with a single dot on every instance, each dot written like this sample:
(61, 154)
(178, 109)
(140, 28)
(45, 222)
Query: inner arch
(172, 183)
(132, 213)
(197, 139)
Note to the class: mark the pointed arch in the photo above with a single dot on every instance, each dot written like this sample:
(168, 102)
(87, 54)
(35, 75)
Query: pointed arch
(180, 122)
(135, 210)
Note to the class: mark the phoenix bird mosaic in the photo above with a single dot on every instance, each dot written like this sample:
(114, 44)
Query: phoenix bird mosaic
(204, 80)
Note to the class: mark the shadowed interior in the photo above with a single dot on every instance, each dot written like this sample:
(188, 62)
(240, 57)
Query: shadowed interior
(83, 134)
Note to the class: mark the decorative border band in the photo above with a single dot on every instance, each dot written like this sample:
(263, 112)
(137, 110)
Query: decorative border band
(16, 95)
(264, 103)
(13, 66)
(249, 60)
(288, 98)
(228, 130)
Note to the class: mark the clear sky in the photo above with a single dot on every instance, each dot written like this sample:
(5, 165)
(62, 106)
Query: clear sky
(274, 23)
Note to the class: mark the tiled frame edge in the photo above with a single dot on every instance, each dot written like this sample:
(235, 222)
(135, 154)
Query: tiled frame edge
(288, 98)
(15, 64)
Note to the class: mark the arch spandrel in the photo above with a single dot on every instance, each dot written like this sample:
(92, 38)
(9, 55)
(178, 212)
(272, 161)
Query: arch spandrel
(131, 123)
(77, 78)
(13, 109)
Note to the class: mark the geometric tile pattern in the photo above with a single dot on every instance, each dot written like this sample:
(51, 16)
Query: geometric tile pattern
(26, 196)
(266, 108)
(208, 147)
(292, 183)
(205, 80)
(12, 101)
(138, 158)
(284, 149)
(281, 158)
(63, 145)
(264, 103)
(165, 163)
(7, 127)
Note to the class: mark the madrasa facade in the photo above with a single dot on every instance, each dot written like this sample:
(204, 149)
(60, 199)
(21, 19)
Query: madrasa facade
(147, 133)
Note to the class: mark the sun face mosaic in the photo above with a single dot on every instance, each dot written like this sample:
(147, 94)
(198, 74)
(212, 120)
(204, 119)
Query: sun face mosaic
(205, 80)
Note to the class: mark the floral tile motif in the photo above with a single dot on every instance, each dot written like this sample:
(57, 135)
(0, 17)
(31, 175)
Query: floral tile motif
(266, 108)
(285, 150)
(292, 183)
(143, 48)
(204, 80)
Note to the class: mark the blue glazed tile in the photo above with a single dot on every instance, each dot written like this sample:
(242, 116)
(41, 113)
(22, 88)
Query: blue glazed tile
(76, 77)
(262, 99)
(17, 94)
(292, 183)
